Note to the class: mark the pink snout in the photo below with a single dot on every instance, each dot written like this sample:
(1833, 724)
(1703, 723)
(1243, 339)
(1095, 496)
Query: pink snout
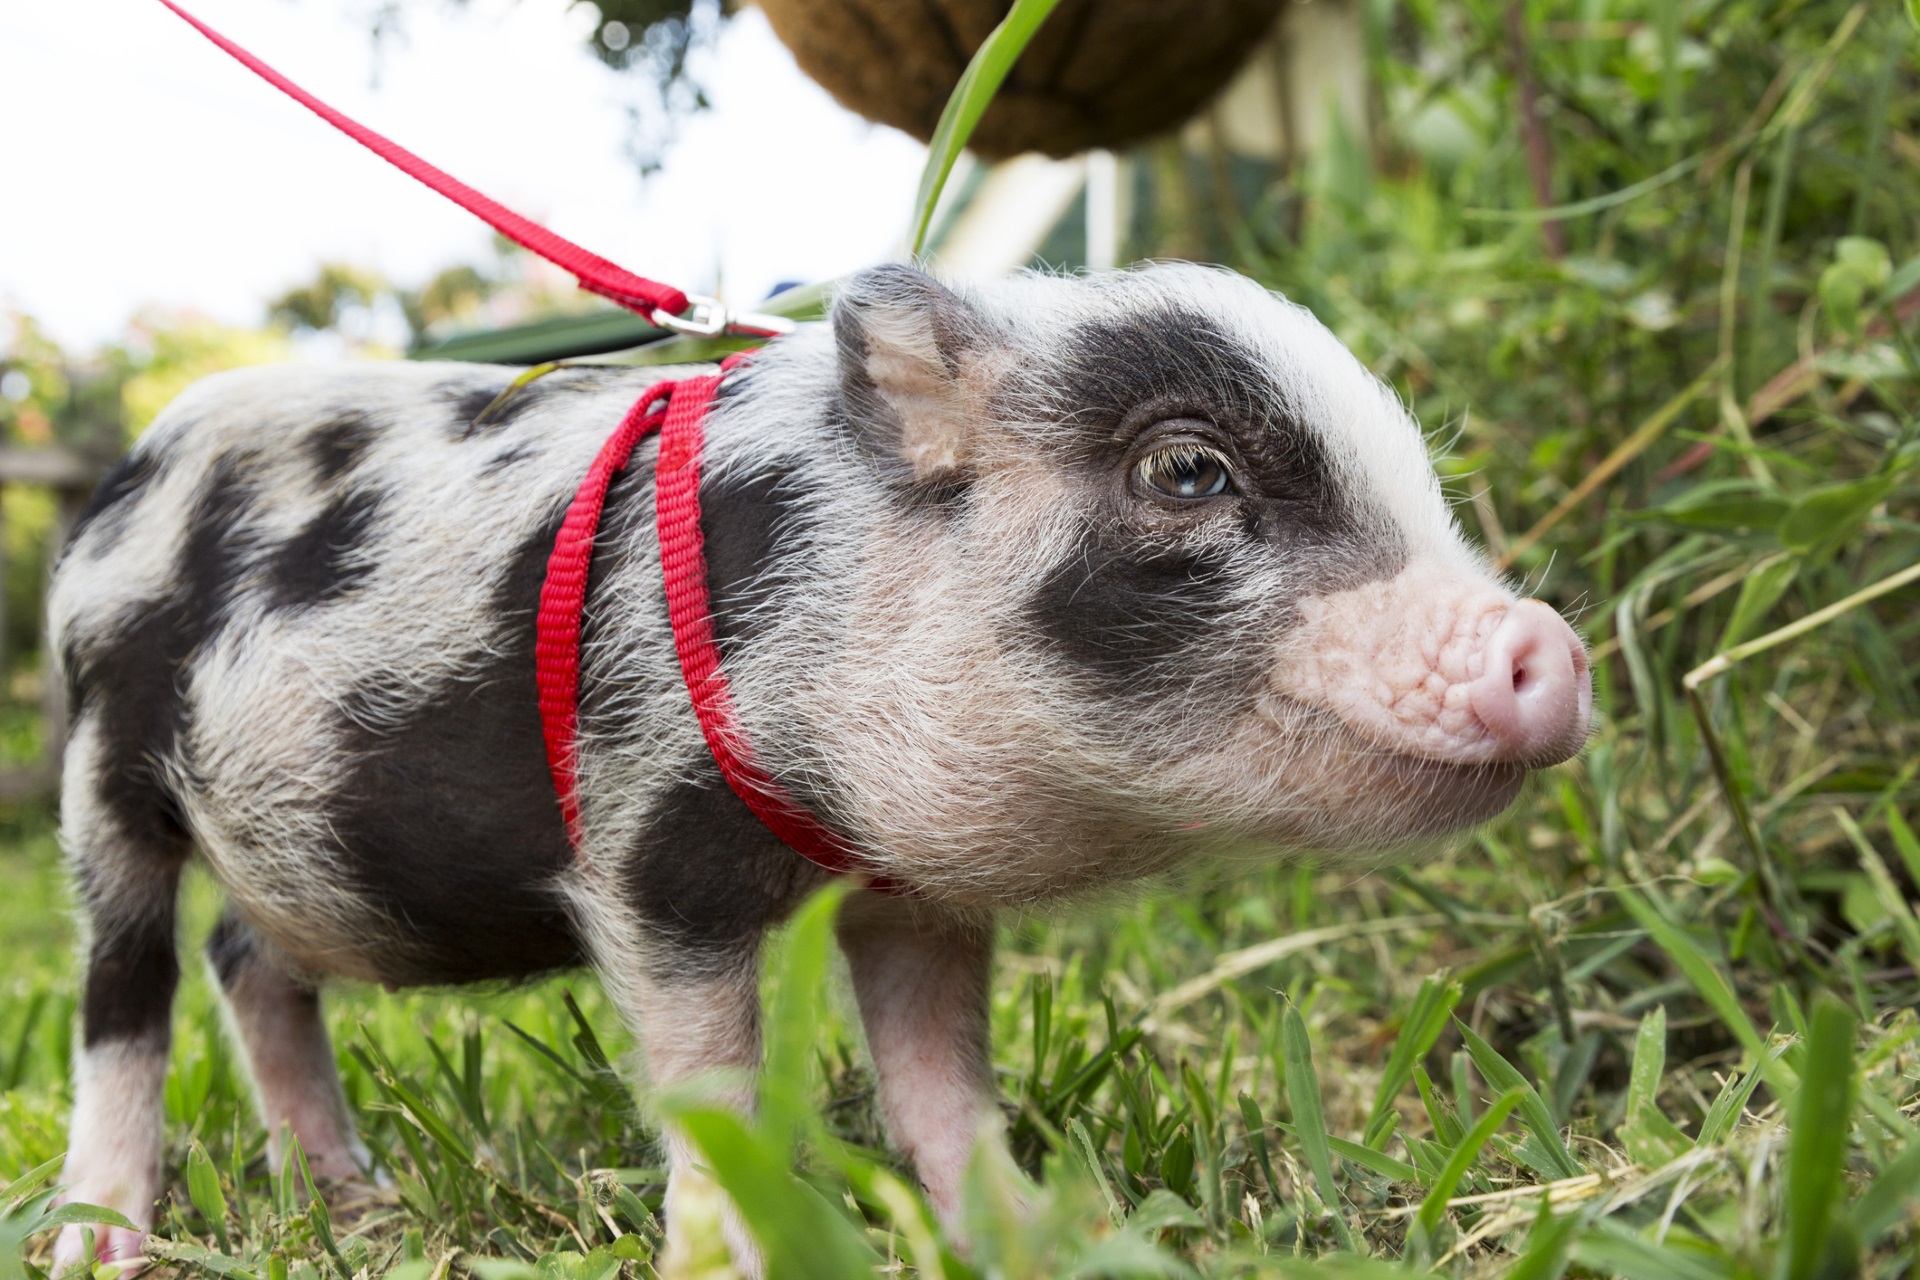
(1534, 694)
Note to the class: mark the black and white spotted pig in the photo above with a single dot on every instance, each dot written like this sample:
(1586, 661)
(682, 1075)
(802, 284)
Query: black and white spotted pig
(1046, 585)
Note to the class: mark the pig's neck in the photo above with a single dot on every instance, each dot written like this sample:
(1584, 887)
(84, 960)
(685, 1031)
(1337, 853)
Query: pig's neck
(869, 662)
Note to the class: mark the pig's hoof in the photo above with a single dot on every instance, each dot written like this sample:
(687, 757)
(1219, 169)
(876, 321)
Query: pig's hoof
(115, 1245)
(350, 1200)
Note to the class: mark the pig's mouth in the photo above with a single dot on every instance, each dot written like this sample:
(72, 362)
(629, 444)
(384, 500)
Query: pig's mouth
(1374, 795)
(1438, 797)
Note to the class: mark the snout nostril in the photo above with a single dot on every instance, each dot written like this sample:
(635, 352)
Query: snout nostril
(1534, 696)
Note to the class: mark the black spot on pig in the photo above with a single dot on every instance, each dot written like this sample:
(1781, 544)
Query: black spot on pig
(481, 411)
(321, 562)
(1291, 499)
(125, 479)
(131, 974)
(470, 402)
(509, 456)
(709, 876)
(1126, 614)
(752, 522)
(1176, 362)
(448, 820)
(131, 683)
(338, 445)
(234, 947)
(229, 947)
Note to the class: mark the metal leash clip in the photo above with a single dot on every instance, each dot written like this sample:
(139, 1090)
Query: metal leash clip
(709, 318)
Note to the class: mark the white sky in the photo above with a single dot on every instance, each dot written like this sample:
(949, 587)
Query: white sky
(140, 165)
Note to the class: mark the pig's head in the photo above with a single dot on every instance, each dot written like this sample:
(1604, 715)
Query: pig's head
(1168, 571)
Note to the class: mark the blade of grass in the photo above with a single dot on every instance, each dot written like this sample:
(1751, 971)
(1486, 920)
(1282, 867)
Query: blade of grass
(1889, 1201)
(1432, 1006)
(1366, 1157)
(29, 1182)
(1705, 977)
(1726, 660)
(203, 1188)
(1547, 1244)
(1727, 1108)
(1257, 1139)
(1446, 1125)
(1610, 1248)
(1303, 1090)
(1818, 1141)
(1623, 453)
(1500, 1074)
(1650, 1138)
(1906, 929)
(1434, 1206)
(971, 97)
(800, 961)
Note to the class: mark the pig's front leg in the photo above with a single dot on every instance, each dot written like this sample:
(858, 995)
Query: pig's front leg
(696, 1014)
(922, 977)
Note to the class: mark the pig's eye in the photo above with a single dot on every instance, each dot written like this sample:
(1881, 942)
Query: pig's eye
(1185, 471)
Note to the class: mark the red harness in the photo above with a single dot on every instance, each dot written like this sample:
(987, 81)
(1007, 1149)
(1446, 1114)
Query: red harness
(677, 409)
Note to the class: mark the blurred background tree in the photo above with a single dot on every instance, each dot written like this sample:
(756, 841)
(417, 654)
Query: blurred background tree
(651, 40)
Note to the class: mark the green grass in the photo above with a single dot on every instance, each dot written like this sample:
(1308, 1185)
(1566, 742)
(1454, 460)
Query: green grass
(1656, 1021)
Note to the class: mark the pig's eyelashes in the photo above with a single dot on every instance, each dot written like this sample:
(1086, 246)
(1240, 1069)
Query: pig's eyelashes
(1185, 472)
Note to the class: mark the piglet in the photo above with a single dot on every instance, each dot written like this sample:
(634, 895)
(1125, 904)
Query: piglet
(1027, 589)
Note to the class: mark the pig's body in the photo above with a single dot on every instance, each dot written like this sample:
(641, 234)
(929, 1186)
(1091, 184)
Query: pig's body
(978, 607)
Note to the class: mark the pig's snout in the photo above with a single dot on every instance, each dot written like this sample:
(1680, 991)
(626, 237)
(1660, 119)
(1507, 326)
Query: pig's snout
(1533, 694)
(1427, 665)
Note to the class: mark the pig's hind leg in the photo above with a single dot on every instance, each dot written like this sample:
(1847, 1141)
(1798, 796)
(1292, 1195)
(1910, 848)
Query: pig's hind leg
(275, 1013)
(126, 847)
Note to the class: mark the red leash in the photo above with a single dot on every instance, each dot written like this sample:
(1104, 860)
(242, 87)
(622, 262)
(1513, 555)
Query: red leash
(677, 408)
(593, 271)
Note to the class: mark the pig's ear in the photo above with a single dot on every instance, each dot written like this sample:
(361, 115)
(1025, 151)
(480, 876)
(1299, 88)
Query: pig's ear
(905, 345)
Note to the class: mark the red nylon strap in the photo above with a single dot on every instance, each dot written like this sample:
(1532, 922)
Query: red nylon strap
(563, 598)
(594, 272)
(683, 564)
(683, 561)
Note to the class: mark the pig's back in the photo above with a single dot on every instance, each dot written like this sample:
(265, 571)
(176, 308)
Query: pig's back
(297, 623)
